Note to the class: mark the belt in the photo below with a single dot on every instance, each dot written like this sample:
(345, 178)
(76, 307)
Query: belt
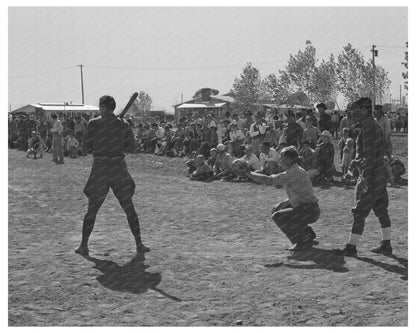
(108, 158)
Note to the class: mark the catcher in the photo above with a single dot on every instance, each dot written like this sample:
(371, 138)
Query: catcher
(293, 215)
(107, 137)
(36, 145)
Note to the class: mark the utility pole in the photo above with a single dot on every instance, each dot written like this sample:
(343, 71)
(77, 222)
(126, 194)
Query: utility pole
(375, 54)
(82, 83)
(400, 95)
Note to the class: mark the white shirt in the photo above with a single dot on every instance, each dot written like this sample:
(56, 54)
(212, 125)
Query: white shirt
(236, 135)
(57, 127)
(252, 161)
(272, 156)
(256, 129)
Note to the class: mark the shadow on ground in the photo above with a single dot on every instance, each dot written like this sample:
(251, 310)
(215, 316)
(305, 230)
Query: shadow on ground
(131, 277)
(402, 270)
(320, 258)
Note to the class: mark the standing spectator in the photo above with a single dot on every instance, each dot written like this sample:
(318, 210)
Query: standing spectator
(347, 155)
(57, 145)
(326, 158)
(343, 140)
(301, 119)
(370, 191)
(237, 138)
(324, 118)
(292, 132)
(79, 129)
(384, 123)
(30, 126)
(334, 123)
(43, 130)
(257, 132)
(310, 113)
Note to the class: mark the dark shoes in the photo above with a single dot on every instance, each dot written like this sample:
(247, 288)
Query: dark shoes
(349, 251)
(383, 248)
(82, 250)
(142, 249)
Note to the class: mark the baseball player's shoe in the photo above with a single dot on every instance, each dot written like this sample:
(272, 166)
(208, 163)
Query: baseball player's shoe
(142, 249)
(82, 250)
(349, 251)
(383, 248)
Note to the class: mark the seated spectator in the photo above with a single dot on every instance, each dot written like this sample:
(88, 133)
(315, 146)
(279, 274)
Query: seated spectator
(249, 159)
(310, 132)
(269, 160)
(190, 163)
(72, 145)
(36, 145)
(398, 170)
(203, 172)
(212, 158)
(223, 168)
(271, 136)
(309, 160)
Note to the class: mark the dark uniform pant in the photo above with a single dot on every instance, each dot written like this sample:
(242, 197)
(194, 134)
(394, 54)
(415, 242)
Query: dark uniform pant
(376, 199)
(106, 173)
(294, 222)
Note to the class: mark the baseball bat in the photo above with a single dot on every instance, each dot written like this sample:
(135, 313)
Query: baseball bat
(128, 105)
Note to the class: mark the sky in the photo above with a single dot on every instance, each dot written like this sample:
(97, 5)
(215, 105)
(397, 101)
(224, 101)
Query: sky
(170, 52)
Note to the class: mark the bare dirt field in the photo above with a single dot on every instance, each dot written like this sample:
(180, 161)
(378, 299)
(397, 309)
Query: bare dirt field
(216, 258)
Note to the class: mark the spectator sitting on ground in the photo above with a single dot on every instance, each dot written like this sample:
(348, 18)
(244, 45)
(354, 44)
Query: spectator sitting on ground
(212, 158)
(309, 160)
(347, 155)
(249, 159)
(203, 172)
(223, 168)
(326, 158)
(190, 162)
(36, 145)
(311, 133)
(271, 135)
(269, 160)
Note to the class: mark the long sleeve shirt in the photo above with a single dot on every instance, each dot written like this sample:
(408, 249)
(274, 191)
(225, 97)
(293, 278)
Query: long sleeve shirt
(272, 156)
(108, 136)
(57, 127)
(237, 135)
(385, 125)
(223, 162)
(370, 146)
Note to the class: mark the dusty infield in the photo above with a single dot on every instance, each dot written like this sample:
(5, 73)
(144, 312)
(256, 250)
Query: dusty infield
(216, 257)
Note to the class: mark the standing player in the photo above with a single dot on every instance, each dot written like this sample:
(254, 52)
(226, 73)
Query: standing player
(107, 137)
(370, 191)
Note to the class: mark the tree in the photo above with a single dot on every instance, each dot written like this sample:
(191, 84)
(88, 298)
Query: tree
(324, 86)
(141, 105)
(405, 63)
(300, 70)
(248, 89)
(355, 75)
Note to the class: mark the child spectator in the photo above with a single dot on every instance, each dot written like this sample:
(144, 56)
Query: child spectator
(203, 172)
(72, 145)
(343, 141)
(326, 157)
(190, 163)
(347, 155)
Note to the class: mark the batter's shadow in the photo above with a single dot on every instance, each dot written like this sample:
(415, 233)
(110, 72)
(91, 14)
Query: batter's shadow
(131, 277)
(321, 258)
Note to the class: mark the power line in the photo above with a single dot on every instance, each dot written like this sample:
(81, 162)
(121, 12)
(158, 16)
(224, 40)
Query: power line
(40, 73)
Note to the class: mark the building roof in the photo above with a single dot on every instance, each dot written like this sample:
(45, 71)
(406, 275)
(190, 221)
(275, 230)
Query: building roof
(31, 108)
(200, 105)
(224, 98)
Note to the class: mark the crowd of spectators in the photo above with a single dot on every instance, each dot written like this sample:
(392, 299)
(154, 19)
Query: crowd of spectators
(215, 147)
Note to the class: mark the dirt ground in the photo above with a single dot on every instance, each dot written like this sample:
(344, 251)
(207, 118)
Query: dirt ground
(216, 258)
